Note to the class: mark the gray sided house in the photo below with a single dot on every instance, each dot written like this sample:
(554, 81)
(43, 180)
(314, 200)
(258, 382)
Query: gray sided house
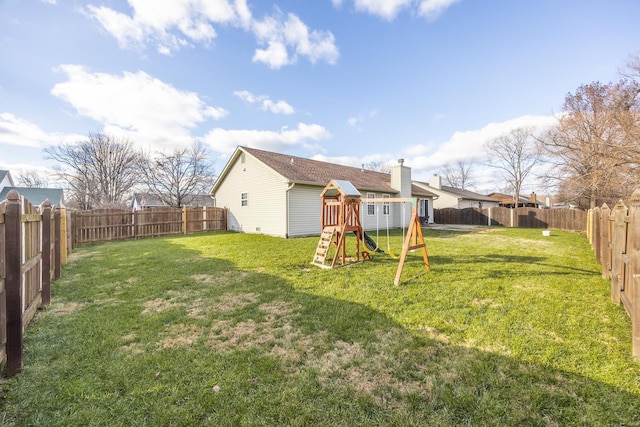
(278, 194)
(451, 197)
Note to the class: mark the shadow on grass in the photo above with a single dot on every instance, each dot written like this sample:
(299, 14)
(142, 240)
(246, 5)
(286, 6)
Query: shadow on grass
(181, 337)
(497, 265)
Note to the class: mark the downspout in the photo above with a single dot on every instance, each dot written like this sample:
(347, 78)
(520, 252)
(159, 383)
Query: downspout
(291, 185)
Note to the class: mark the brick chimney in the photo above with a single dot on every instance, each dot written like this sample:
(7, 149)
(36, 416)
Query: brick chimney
(533, 199)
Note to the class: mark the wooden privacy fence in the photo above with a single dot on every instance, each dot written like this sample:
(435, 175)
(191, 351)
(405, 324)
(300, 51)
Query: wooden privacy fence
(614, 235)
(116, 224)
(30, 258)
(562, 219)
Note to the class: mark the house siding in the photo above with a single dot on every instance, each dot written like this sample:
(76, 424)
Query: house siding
(445, 200)
(380, 221)
(265, 212)
(305, 209)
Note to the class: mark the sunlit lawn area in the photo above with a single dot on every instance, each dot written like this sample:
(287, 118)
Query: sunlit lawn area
(508, 328)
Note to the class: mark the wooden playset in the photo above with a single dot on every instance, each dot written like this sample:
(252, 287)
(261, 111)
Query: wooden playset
(341, 215)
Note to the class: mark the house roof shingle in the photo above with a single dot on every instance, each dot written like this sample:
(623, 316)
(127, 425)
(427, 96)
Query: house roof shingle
(314, 172)
(307, 171)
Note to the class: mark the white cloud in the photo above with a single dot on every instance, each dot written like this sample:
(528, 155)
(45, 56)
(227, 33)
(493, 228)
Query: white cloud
(431, 9)
(266, 104)
(466, 145)
(20, 132)
(278, 107)
(170, 25)
(48, 1)
(356, 121)
(225, 141)
(387, 9)
(143, 108)
(178, 23)
(285, 40)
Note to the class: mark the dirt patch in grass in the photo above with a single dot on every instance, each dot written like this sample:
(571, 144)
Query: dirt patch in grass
(75, 256)
(65, 308)
(159, 305)
(486, 302)
(179, 336)
(366, 368)
(131, 347)
(274, 331)
(223, 277)
(232, 302)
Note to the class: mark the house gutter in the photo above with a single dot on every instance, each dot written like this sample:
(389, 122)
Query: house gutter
(289, 187)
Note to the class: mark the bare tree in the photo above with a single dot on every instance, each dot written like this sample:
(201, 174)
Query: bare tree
(176, 177)
(378, 166)
(98, 170)
(515, 154)
(32, 179)
(632, 69)
(593, 148)
(458, 174)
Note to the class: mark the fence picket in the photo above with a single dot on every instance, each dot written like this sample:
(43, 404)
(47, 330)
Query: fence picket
(616, 243)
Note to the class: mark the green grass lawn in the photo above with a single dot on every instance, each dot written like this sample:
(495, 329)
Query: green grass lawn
(508, 328)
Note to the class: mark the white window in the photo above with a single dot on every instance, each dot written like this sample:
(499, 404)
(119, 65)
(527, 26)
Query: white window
(371, 207)
(244, 199)
(385, 205)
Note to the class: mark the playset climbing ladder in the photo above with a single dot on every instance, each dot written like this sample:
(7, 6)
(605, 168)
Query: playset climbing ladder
(326, 238)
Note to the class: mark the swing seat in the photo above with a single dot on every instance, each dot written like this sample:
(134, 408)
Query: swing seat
(391, 254)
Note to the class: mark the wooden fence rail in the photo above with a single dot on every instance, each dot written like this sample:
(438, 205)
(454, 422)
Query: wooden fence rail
(562, 219)
(102, 225)
(614, 235)
(29, 257)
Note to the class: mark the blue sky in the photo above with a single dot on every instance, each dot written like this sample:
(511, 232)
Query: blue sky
(348, 81)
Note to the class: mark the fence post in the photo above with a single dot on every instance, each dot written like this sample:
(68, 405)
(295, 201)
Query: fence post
(184, 220)
(204, 218)
(597, 235)
(634, 254)
(619, 245)
(57, 266)
(13, 281)
(46, 253)
(605, 248)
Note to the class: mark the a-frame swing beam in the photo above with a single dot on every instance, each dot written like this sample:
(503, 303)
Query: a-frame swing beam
(414, 238)
(414, 234)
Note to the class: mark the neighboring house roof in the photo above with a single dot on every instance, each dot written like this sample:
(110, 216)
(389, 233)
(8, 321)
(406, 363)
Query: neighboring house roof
(146, 200)
(461, 194)
(299, 170)
(507, 199)
(467, 195)
(201, 200)
(418, 191)
(37, 195)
